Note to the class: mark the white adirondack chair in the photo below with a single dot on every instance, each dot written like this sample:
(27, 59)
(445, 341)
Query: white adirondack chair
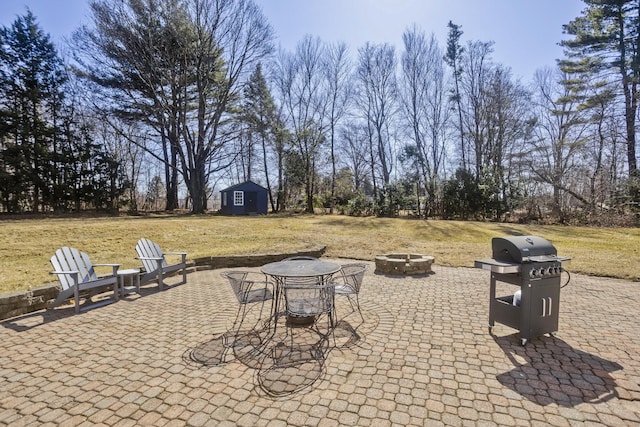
(155, 264)
(77, 274)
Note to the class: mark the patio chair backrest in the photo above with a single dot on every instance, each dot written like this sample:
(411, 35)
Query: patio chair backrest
(301, 258)
(309, 300)
(71, 259)
(302, 281)
(238, 284)
(353, 274)
(248, 287)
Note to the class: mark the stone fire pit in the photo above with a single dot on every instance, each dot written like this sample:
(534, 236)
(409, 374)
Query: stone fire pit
(404, 264)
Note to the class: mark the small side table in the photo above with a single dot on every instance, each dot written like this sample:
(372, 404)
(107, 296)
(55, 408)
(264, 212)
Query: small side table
(130, 273)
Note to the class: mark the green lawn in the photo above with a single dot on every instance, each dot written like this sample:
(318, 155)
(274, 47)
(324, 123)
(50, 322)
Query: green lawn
(29, 243)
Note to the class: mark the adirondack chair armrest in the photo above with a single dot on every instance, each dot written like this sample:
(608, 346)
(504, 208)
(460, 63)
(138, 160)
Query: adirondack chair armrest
(182, 254)
(158, 260)
(73, 273)
(64, 272)
(114, 266)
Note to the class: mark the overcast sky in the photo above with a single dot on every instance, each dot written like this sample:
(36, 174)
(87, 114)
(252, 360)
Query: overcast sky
(525, 33)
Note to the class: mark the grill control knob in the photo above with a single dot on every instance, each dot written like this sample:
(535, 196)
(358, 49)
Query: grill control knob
(532, 273)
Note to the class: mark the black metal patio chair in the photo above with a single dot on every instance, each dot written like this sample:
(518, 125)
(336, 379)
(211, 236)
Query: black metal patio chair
(252, 290)
(348, 283)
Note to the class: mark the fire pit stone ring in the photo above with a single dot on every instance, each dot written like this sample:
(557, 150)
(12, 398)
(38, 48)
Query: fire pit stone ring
(409, 264)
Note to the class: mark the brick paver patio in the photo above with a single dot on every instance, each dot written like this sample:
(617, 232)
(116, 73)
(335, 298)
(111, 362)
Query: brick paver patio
(425, 357)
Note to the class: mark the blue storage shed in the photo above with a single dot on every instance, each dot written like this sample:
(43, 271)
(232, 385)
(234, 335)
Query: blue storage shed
(247, 198)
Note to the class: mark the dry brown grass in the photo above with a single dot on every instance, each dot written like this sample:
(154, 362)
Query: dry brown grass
(28, 244)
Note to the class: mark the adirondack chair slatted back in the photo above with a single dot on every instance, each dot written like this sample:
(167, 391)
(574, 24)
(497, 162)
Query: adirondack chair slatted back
(71, 259)
(148, 249)
(155, 263)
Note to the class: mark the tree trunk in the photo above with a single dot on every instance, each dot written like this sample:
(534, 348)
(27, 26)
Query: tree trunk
(197, 188)
(309, 186)
(172, 184)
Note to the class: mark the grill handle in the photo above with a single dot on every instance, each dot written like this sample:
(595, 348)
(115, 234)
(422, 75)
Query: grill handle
(547, 302)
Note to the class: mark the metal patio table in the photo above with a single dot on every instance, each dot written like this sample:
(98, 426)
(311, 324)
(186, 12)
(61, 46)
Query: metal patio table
(296, 270)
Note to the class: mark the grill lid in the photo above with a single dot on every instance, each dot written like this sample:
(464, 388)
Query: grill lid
(519, 249)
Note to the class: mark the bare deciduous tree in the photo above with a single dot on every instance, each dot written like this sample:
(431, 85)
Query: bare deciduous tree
(377, 103)
(507, 115)
(355, 154)
(300, 82)
(337, 71)
(424, 106)
(474, 82)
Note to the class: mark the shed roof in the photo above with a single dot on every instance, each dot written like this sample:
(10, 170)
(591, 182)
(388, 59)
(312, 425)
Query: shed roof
(244, 184)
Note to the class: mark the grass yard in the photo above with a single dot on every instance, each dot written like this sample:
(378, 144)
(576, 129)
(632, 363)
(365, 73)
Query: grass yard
(28, 244)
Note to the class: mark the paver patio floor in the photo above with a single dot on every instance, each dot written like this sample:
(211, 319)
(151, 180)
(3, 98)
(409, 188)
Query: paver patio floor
(424, 357)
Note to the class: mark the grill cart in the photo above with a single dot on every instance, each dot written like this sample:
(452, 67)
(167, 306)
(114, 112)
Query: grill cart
(532, 264)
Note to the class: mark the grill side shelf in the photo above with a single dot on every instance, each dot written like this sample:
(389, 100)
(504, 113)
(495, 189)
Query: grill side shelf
(497, 266)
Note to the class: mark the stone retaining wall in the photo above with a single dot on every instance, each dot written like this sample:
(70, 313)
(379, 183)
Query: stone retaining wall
(19, 303)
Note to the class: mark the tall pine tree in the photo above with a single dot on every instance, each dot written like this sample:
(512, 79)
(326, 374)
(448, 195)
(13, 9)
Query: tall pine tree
(454, 60)
(606, 39)
(259, 114)
(31, 76)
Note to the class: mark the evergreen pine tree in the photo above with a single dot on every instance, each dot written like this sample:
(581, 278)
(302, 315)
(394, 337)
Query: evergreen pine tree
(31, 76)
(606, 39)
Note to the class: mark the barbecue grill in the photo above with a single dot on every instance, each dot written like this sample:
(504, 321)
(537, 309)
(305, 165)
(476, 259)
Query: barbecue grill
(532, 263)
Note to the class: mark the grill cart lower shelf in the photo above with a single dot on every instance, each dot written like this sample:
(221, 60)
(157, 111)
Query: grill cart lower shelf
(537, 313)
